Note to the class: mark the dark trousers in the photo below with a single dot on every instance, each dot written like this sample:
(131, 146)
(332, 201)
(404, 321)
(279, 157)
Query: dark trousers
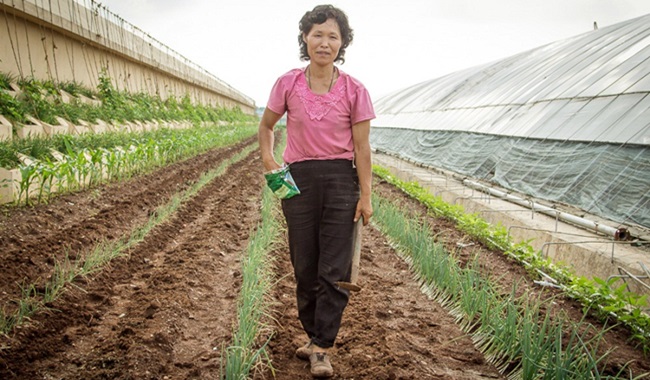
(320, 224)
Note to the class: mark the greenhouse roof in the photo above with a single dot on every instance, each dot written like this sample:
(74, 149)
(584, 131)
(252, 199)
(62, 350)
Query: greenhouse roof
(567, 122)
(592, 87)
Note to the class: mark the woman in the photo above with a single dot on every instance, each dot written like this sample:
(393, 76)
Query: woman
(328, 153)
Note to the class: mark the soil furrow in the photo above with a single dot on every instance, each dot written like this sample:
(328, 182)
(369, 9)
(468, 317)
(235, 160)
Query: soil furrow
(166, 310)
(31, 239)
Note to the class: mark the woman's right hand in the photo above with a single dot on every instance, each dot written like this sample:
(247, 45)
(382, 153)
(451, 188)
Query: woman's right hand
(271, 165)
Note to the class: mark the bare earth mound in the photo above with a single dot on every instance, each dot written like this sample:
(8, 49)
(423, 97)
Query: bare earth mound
(166, 309)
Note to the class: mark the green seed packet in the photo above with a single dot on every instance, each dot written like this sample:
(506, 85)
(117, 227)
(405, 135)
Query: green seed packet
(281, 183)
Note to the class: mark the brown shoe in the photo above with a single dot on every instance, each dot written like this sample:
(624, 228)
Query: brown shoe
(305, 351)
(320, 365)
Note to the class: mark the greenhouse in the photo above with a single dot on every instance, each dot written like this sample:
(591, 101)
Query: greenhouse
(568, 123)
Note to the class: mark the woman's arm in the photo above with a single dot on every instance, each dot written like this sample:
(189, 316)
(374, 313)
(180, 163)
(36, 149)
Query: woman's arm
(266, 139)
(363, 161)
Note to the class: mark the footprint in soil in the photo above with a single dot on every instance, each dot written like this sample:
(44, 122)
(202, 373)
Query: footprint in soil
(383, 315)
(151, 310)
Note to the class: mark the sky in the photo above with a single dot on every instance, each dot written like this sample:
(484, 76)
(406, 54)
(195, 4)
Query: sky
(399, 43)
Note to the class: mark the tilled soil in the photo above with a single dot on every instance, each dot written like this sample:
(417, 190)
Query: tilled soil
(390, 329)
(166, 309)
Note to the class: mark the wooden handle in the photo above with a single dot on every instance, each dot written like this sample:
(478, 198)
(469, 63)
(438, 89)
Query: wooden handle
(356, 255)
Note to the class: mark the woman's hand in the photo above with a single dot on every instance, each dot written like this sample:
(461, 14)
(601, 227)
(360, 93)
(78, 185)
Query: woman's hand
(271, 165)
(364, 209)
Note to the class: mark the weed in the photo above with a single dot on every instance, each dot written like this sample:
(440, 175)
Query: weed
(6, 80)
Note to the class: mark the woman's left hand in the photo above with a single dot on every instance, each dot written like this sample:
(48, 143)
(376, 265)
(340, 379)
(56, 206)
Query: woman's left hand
(364, 209)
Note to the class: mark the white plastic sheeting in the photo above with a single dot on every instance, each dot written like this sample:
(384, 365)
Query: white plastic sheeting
(568, 122)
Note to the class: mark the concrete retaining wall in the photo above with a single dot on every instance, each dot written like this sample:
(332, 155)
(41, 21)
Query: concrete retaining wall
(67, 41)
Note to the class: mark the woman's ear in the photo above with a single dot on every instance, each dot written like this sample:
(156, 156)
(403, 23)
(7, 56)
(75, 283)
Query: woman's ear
(304, 38)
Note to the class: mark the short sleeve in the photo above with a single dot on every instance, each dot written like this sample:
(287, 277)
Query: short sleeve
(278, 98)
(362, 108)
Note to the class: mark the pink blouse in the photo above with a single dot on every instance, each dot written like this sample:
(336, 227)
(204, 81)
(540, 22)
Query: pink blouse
(319, 127)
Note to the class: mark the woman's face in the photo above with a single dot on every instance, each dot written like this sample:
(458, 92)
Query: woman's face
(323, 42)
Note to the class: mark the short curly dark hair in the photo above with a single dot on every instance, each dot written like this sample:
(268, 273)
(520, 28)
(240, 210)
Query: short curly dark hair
(319, 15)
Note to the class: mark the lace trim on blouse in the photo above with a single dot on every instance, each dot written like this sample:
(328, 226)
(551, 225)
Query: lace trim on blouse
(317, 106)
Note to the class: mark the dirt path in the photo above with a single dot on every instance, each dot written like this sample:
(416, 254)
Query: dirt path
(166, 310)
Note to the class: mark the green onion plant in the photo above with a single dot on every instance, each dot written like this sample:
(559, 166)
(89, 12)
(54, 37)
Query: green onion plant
(603, 297)
(517, 334)
(247, 351)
